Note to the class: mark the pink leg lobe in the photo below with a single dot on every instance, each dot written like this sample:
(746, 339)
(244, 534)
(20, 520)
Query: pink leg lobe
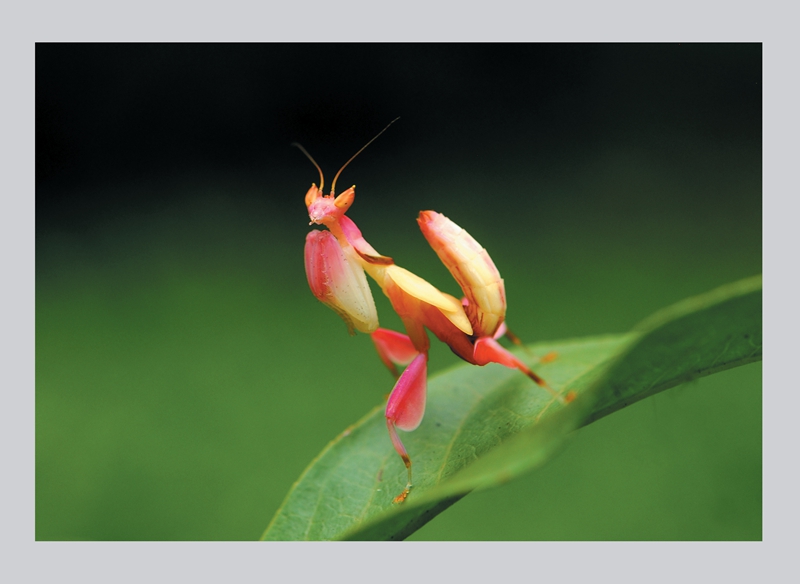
(394, 349)
(405, 409)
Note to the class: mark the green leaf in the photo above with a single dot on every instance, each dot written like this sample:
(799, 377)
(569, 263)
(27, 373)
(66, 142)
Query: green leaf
(486, 425)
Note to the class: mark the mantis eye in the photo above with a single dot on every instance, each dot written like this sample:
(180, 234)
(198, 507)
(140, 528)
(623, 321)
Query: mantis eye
(312, 195)
(344, 200)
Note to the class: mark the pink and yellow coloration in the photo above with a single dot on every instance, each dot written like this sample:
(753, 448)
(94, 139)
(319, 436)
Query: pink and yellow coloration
(336, 261)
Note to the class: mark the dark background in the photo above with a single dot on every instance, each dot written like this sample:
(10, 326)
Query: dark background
(185, 374)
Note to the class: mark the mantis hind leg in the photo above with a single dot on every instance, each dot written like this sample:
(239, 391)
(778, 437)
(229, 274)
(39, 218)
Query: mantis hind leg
(401, 450)
(504, 331)
(488, 350)
(405, 409)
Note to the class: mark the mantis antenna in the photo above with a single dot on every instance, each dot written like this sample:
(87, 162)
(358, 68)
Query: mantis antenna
(333, 185)
(314, 162)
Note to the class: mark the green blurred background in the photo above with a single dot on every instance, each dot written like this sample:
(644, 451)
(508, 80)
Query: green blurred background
(185, 375)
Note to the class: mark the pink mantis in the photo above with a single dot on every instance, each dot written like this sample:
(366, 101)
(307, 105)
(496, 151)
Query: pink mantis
(336, 261)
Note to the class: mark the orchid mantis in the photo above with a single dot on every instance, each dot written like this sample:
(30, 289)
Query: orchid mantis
(336, 261)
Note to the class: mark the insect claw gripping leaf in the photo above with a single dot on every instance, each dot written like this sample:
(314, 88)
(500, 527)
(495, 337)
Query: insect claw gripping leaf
(336, 261)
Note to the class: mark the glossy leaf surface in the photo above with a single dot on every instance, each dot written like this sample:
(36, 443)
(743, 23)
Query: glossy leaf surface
(486, 425)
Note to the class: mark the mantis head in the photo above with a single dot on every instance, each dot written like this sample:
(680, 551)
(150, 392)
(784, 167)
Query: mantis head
(324, 210)
(328, 209)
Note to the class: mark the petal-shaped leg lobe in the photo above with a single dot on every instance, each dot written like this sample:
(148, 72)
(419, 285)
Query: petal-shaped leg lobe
(394, 348)
(406, 405)
(473, 269)
(405, 409)
(337, 279)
